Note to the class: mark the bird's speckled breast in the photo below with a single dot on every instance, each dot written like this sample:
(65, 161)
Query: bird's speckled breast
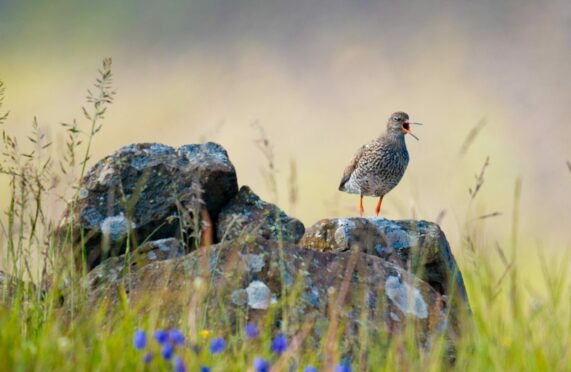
(379, 170)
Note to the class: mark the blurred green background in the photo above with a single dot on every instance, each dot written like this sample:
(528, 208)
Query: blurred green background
(321, 77)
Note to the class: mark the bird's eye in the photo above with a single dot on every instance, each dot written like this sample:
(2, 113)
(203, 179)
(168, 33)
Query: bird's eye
(396, 118)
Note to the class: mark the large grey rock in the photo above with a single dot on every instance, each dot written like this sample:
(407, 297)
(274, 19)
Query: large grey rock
(247, 216)
(154, 251)
(147, 191)
(237, 281)
(418, 246)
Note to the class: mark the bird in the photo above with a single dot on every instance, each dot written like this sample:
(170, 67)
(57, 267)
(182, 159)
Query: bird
(379, 165)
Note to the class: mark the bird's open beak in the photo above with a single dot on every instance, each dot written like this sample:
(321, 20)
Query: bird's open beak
(406, 128)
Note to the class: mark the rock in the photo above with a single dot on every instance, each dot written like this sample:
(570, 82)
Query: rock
(216, 174)
(154, 251)
(243, 281)
(247, 216)
(160, 250)
(418, 246)
(148, 191)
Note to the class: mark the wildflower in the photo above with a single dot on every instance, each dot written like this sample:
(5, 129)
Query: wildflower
(217, 345)
(342, 367)
(261, 365)
(310, 369)
(204, 369)
(167, 351)
(140, 339)
(205, 333)
(252, 330)
(176, 337)
(148, 358)
(161, 336)
(279, 344)
(179, 364)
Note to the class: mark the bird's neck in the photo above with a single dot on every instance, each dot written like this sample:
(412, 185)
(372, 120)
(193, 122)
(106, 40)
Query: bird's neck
(395, 138)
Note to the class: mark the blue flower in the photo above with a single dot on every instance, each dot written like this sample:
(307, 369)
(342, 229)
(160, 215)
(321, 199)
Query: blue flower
(310, 369)
(148, 358)
(167, 351)
(179, 364)
(176, 337)
(343, 367)
(252, 330)
(140, 339)
(161, 336)
(217, 345)
(204, 369)
(261, 365)
(279, 344)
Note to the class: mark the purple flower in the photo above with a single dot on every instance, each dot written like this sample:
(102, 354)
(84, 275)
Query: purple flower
(161, 336)
(148, 358)
(343, 367)
(261, 365)
(140, 339)
(217, 345)
(279, 344)
(167, 351)
(204, 369)
(176, 337)
(310, 369)
(252, 330)
(179, 364)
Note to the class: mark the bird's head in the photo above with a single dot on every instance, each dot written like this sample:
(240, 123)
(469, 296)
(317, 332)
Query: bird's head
(399, 124)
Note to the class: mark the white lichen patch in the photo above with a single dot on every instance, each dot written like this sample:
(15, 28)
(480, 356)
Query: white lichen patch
(105, 174)
(204, 155)
(343, 232)
(116, 227)
(152, 256)
(239, 297)
(259, 295)
(406, 298)
(394, 317)
(254, 262)
(170, 246)
(83, 193)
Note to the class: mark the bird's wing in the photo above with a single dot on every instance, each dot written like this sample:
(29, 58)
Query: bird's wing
(351, 167)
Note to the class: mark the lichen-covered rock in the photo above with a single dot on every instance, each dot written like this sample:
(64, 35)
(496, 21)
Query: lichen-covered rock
(245, 280)
(154, 251)
(247, 217)
(147, 191)
(418, 246)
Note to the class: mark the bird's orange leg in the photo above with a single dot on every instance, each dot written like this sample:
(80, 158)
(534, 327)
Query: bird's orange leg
(378, 209)
(361, 208)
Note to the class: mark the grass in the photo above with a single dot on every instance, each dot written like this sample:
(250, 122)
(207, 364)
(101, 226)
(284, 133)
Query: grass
(513, 327)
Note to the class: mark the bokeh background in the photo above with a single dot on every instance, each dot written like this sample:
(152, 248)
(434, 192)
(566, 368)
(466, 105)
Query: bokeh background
(321, 77)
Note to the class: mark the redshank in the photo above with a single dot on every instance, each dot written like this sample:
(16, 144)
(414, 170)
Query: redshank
(379, 165)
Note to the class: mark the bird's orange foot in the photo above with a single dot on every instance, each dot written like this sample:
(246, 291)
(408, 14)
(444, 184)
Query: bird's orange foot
(361, 208)
(378, 208)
